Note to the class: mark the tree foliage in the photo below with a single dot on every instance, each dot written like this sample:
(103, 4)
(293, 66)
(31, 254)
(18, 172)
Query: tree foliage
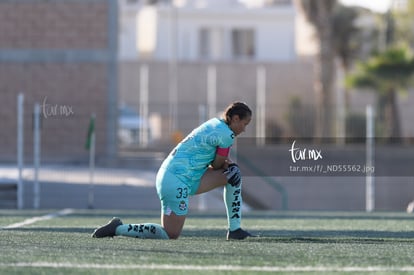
(386, 74)
(392, 69)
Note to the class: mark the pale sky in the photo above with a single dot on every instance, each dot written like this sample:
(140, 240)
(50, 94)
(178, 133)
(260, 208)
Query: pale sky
(375, 5)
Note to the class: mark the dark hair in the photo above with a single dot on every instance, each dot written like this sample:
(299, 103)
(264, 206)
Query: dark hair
(236, 108)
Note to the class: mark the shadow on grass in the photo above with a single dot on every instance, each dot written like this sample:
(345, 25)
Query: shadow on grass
(315, 236)
(342, 234)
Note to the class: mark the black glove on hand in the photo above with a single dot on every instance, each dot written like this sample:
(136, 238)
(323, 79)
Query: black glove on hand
(233, 175)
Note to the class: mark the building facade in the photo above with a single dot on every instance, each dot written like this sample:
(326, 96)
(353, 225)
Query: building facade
(195, 30)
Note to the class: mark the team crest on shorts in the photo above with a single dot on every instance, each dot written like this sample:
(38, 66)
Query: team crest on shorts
(182, 206)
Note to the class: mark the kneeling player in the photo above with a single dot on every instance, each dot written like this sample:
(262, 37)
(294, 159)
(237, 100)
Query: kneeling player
(198, 164)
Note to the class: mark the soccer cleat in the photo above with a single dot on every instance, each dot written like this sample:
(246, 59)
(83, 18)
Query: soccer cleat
(107, 230)
(238, 234)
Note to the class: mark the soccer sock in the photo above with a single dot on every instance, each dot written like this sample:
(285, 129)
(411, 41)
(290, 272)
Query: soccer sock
(233, 201)
(143, 231)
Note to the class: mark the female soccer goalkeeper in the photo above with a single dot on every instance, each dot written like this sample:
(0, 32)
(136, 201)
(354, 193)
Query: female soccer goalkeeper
(196, 165)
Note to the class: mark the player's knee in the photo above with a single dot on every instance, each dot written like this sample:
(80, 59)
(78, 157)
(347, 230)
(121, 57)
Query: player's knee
(173, 235)
(173, 225)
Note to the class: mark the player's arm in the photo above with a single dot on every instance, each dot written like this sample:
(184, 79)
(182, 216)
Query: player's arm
(222, 155)
(231, 170)
(218, 162)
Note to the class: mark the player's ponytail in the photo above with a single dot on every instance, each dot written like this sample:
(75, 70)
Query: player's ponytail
(236, 108)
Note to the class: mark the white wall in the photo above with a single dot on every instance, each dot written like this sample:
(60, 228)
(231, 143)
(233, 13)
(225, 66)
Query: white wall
(276, 38)
(127, 36)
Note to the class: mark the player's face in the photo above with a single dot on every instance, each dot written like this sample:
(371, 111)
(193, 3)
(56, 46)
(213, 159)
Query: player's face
(238, 125)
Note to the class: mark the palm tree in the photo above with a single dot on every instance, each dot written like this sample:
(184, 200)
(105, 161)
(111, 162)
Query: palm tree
(319, 14)
(346, 35)
(386, 73)
(347, 40)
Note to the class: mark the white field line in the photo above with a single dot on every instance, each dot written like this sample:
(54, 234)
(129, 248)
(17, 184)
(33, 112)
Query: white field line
(214, 268)
(63, 212)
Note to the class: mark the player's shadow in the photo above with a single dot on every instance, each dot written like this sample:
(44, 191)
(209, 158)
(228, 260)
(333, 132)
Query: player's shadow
(336, 236)
(314, 236)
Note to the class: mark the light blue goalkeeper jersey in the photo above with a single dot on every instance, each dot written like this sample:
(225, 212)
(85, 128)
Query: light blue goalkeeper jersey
(191, 157)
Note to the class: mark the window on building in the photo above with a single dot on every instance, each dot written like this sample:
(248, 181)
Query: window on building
(243, 43)
(211, 43)
(204, 43)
